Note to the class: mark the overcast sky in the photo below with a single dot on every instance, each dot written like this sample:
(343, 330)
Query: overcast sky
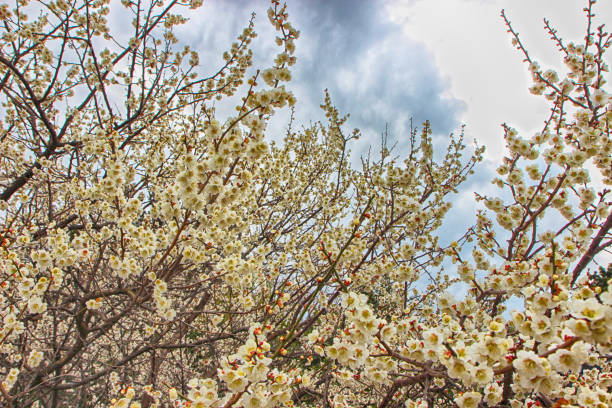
(385, 61)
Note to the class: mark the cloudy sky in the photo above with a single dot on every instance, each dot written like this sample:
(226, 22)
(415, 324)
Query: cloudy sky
(386, 61)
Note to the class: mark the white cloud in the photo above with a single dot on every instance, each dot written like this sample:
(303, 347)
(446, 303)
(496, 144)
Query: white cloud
(472, 49)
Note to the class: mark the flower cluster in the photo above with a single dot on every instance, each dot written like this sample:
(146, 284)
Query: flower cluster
(156, 251)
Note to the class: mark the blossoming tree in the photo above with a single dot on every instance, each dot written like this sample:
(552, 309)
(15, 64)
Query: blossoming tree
(154, 252)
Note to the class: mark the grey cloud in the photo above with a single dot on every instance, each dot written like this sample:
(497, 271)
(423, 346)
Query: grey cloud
(371, 68)
(373, 71)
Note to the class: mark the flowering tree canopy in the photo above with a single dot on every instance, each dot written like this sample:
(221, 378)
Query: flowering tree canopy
(155, 252)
